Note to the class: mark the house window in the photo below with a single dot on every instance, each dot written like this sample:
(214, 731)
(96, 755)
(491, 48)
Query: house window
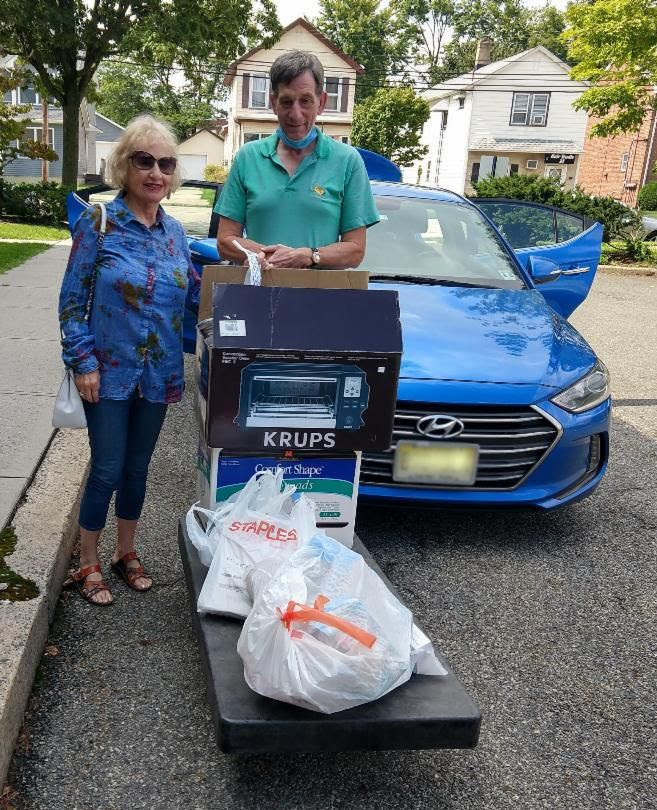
(259, 92)
(332, 87)
(255, 136)
(625, 159)
(461, 102)
(342, 138)
(7, 96)
(443, 119)
(529, 109)
(513, 169)
(34, 134)
(28, 95)
(474, 176)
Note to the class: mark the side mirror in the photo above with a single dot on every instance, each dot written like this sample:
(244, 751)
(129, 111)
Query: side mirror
(542, 270)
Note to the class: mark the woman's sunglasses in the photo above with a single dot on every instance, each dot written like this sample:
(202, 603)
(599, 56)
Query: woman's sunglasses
(145, 161)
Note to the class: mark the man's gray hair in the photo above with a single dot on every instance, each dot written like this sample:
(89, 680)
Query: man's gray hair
(292, 64)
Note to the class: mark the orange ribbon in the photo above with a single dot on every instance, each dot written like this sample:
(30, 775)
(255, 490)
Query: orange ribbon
(296, 612)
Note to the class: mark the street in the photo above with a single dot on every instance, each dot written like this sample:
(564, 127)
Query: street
(549, 620)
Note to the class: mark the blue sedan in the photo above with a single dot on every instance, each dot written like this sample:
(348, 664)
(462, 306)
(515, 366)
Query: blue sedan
(501, 402)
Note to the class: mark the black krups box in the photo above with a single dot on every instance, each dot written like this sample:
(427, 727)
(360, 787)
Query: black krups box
(301, 369)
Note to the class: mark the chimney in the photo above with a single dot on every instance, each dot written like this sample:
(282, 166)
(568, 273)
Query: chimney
(484, 47)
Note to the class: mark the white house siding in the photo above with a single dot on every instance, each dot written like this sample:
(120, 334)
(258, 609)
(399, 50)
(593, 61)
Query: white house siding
(249, 120)
(446, 161)
(482, 128)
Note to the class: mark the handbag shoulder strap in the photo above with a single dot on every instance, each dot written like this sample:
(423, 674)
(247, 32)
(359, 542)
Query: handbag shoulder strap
(101, 239)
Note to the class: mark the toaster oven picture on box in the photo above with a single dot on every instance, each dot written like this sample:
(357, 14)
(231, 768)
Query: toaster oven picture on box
(303, 395)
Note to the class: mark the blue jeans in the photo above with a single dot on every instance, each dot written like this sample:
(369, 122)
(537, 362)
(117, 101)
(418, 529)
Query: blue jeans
(122, 437)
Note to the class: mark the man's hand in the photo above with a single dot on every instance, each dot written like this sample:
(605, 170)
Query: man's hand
(284, 256)
(88, 385)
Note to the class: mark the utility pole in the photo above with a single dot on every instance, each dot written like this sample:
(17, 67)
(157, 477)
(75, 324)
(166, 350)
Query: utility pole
(44, 136)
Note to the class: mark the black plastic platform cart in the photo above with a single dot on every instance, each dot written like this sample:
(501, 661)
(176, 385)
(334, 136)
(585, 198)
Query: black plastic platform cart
(425, 713)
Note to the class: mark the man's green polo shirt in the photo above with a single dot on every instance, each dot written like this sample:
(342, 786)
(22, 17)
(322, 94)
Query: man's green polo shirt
(328, 195)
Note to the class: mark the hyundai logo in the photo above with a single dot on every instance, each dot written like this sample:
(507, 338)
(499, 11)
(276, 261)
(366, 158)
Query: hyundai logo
(440, 426)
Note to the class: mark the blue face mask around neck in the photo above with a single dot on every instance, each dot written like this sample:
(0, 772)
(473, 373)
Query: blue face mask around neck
(299, 144)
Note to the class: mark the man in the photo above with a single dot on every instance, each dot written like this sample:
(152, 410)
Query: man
(303, 199)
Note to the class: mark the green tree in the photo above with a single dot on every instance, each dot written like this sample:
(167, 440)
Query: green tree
(126, 89)
(390, 122)
(13, 143)
(428, 23)
(512, 26)
(67, 40)
(614, 43)
(371, 35)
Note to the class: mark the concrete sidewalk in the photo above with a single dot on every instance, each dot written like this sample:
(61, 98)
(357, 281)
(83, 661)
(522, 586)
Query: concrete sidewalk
(40, 478)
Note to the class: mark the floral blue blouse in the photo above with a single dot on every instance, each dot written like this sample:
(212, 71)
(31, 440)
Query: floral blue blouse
(134, 334)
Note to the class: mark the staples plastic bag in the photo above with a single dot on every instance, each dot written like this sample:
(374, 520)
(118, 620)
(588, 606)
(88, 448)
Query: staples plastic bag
(325, 632)
(266, 520)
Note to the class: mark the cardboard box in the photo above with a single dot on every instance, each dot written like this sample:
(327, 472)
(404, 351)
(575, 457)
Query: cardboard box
(278, 277)
(330, 481)
(299, 369)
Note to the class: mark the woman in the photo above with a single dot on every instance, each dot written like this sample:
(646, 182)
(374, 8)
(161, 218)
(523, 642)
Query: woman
(127, 357)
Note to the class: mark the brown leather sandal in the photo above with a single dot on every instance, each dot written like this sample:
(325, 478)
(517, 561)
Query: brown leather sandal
(78, 580)
(129, 575)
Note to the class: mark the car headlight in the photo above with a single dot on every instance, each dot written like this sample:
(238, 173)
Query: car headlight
(589, 391)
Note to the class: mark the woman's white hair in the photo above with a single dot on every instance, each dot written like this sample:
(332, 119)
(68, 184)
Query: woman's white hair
(142, 131)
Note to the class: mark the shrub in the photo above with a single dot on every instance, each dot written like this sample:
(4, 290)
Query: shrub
(647, 198)
(34, 202)
(615, 217)
(213, 172)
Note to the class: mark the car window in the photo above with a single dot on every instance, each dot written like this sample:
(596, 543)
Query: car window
(568, 226)
(190, 205)
(522, 225)
(440, 240)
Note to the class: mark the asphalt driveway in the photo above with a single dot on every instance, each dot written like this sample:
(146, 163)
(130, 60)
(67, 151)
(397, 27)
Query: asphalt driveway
(549, 620)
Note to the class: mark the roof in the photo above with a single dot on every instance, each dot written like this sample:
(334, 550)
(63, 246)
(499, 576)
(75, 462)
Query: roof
(105, 118)
(231, 70)
(204, 129)
(525, 145)
(468, 81)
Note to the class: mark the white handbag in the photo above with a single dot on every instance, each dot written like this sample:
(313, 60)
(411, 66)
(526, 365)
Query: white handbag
(69, 409)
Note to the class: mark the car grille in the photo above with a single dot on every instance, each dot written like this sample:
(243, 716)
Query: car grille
(512, 441)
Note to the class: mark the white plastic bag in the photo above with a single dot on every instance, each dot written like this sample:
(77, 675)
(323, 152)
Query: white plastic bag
(325, 632)
(266, 520)
(253, 276)
(205, 540)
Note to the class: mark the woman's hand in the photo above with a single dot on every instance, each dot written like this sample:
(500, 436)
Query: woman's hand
(88, 385)
(284, 256)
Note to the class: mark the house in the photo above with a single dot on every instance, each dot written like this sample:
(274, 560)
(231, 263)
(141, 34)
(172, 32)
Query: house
(514, 116)
(620, 166)
(204, 148)
(108, 133)
(27, 170)
(251, 117)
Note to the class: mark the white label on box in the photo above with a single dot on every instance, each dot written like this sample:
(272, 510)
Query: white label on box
(232, 328)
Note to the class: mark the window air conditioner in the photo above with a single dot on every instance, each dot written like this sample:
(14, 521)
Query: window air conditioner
(532, 164)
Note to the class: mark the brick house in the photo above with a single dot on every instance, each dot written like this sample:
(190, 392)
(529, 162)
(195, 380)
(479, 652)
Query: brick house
(620, 166)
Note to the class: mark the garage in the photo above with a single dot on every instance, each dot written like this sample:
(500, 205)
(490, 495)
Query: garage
(193, 166)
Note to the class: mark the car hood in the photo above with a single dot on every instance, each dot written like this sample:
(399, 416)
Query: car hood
(493, 336)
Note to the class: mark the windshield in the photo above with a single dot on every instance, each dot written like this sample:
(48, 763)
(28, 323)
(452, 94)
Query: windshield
(437, 242)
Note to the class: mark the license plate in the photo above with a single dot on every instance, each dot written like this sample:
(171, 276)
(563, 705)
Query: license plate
(429, 463)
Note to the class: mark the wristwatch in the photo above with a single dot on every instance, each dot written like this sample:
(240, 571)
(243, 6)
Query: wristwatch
(315, 257)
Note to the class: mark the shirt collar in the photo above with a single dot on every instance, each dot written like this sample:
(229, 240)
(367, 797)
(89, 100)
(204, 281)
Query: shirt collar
(268, 145)
(126, 215)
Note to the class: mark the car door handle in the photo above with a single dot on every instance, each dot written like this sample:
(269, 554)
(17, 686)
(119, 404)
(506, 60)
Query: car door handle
(575, 271)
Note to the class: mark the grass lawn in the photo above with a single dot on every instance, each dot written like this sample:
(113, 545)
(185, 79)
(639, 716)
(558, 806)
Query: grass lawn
(207, 194)
(16, 230)
(649, 213)
(13, 254)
